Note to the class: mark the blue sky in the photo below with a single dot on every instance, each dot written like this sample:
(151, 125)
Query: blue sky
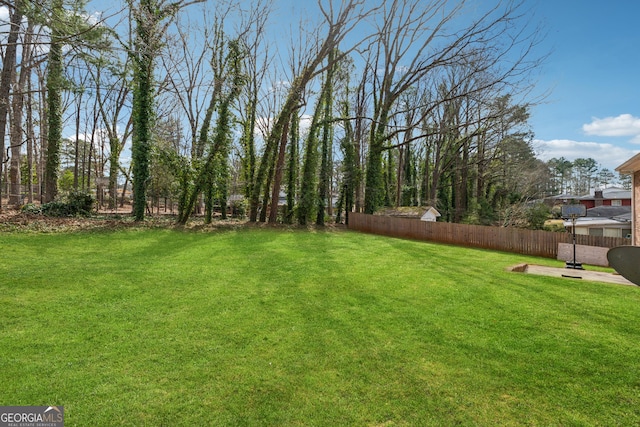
(593, 108)
(591, 76)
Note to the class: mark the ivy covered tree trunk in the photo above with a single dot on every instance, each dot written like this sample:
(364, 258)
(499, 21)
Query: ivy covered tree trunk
(222, 184)
(151, 19)
(374, 195)
(267, 186)
(54, 109)
(349, 170)
(308, 182)
(338, 27)
(216, 155)
(264, 173)
(327, 141)
(292, 167)
(388, 175)
(279, 170)
(249, 146)
(143, 61)
(209, 194)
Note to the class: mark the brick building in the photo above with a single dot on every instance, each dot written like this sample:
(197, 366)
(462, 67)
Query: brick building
(632, 167)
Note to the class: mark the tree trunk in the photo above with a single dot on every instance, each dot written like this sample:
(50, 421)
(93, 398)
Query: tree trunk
(15, 188)
(324, 180)
(292, 167)
(31, 136)
(15, 197)
(275, 193)
(8, 69)
(54, 110)
(141, 145)
(271, 146)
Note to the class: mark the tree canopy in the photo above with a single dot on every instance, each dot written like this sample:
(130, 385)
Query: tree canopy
(218, 107)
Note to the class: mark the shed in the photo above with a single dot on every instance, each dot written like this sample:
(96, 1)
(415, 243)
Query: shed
(430, 215)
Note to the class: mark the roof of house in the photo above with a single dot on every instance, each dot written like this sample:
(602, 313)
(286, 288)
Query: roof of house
(630, 166)
(564, 197)
(598, 222)
(609, 193)
(608, 211)
(624, 217)
(612, 216)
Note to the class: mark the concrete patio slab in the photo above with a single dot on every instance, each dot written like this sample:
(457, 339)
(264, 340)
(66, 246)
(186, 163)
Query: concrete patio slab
(595, 276)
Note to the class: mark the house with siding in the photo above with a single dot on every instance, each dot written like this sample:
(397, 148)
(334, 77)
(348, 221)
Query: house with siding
(612, 196)
(607, 221)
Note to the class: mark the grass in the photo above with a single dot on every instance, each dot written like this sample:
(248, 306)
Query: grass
(265, 327)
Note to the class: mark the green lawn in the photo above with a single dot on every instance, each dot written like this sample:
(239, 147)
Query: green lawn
(270, 327)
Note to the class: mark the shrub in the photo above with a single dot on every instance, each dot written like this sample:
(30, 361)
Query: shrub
(555, 226)
(238, 209)
(74, 204)
(31, 208)
(537, 215)
(80, 203)
(56, 208)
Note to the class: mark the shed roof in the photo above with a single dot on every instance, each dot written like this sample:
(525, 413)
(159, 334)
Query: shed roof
(431, 212)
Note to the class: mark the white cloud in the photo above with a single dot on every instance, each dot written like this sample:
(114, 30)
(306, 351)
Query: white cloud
(607, 155)
(622, 125)
(4, 14)
(264, 125)
(305, 123)
(280, 85)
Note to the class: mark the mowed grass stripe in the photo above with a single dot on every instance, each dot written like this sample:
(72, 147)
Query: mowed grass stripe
(272, 327)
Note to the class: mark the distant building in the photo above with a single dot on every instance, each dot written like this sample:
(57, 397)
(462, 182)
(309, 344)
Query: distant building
(425, 213)
(612, 196)
(431, 215)
(608, 221)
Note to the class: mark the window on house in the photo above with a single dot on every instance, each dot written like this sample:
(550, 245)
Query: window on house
(596, 232)
(616, 202)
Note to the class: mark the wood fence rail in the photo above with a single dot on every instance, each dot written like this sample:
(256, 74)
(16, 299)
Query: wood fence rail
(508, 239)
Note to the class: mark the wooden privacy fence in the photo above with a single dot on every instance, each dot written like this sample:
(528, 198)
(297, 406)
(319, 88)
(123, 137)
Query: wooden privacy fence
(508, 239)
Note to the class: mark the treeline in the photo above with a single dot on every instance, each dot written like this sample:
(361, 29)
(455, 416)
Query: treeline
(360, 106)
(578, 177)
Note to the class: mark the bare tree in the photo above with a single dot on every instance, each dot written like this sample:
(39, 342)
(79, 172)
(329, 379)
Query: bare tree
(417, 40)
(339, 23)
